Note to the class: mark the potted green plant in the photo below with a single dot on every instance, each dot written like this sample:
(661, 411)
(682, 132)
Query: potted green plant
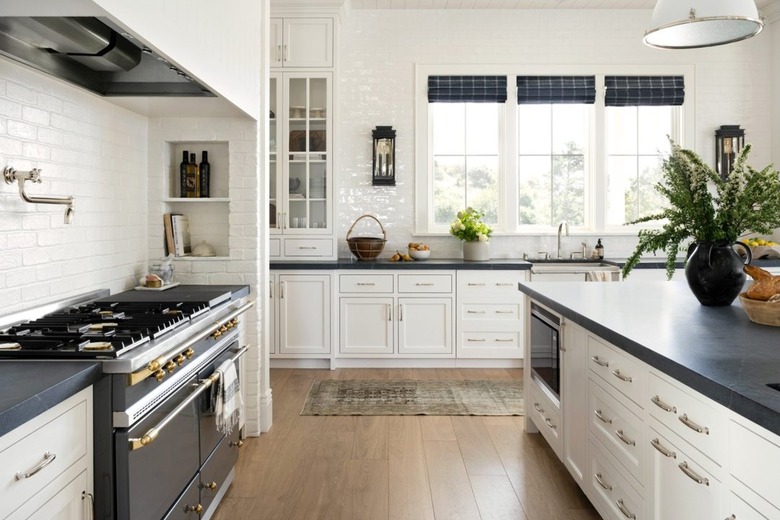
(707, 214)
(474, 233)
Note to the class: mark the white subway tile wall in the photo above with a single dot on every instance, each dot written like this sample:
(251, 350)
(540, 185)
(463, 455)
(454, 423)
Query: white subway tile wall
(87, 148)
(378, 50)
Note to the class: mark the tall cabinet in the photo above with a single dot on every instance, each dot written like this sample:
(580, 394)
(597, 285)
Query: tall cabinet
(300, 179)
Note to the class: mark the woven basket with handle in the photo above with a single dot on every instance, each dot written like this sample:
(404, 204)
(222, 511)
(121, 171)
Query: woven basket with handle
(366, 248)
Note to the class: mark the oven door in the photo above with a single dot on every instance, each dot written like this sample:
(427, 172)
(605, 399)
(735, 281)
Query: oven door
(157, 457)
(545, 362)
(209, 435)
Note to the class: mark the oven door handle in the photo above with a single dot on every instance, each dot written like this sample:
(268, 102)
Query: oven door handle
(136, 443)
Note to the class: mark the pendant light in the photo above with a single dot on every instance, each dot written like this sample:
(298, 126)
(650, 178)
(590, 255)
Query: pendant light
(689, 24)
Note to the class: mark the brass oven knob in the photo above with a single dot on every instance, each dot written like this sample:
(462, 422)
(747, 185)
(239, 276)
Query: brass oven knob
(189, 353)
(224, 328)
(180, 359)
(217, 334)
(236, 444)
(170, 366)
(154, 365)
(212, 486)
(159, 375)
(193, 509)
(234, 321)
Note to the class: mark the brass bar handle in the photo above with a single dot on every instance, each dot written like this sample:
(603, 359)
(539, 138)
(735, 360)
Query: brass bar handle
(48, 458)
(155, 366)
(504, 340)
(600, 362)
(475, 312)
(601, 417)
(281, 289)
(271, 292)
(504, 312)
(472, 284)
(136, 443)
(656, 400)
(504, 284)
(424, 284)
(549, 423)
(627, 379)
(401, 313)
(389, 312)
(692, 474)
(693, 426)
(665, 452)
(278, 220)
(601, 482)
(307, 247)
(477, 340)
(366, 284)
(622, 437)
(623, 509)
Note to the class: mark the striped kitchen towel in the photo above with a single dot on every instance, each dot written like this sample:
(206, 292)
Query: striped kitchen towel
(229, 406)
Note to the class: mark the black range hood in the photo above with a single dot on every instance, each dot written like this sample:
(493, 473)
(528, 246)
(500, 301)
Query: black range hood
(88, 52)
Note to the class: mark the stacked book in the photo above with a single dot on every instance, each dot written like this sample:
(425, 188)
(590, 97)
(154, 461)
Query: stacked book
(177, 234)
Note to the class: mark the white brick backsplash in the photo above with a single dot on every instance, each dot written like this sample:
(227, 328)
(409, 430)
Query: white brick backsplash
(378, 51)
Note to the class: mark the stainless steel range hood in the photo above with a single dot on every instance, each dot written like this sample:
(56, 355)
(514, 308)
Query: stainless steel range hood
(90, 53)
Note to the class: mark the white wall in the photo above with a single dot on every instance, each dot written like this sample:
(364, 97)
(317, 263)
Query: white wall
(87, 148)
(379, 49)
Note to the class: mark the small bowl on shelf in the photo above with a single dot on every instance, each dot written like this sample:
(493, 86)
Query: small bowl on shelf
(419, 255)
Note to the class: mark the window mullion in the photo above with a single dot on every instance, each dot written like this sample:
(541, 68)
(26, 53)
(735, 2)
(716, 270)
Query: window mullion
(597, 202)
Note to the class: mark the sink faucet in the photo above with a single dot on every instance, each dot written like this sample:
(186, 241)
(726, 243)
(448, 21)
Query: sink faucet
(563, 225)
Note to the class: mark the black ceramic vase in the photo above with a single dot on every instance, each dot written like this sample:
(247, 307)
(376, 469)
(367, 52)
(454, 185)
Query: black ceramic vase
(714, 272)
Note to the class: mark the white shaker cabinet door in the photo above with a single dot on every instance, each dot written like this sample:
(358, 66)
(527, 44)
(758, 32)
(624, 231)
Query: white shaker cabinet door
(425, 326)
(366, 325)
(304, 314)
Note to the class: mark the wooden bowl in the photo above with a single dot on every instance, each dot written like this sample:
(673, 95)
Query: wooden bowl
(764, 313)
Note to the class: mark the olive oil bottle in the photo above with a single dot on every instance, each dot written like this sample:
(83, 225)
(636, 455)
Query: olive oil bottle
(204, 170)
(193, 178)
(183, 173)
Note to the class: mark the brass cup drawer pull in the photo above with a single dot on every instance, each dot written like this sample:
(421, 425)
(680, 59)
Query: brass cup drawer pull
(622, 437)
(601, 417)
(692, 474)
(601, 482)
(693, 426)
(599, 362)
(627, 379)
(623, 509)
(656, 400)
(48, 458)
(663, 451)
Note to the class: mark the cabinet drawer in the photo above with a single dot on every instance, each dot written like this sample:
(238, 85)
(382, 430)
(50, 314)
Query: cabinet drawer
(308, 247)
(754, 460)
(275, 247)
(546, 416)
(52, 447)
(503, 285)
(424, 283)
(359, 283)
(741, 510)
(689, 416)
(617, 428)
(626, 374)
(491, 312)
(491, 339)
(615, 498)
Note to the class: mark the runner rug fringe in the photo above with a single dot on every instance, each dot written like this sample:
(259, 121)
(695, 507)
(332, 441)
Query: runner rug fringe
(377, 397)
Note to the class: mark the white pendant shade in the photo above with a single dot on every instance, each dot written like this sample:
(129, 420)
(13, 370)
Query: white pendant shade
(688, 24)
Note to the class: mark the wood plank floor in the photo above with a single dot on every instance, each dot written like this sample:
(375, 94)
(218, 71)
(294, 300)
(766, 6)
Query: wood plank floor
(390, 467)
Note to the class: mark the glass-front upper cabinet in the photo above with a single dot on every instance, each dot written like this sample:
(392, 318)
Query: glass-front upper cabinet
(300, 153)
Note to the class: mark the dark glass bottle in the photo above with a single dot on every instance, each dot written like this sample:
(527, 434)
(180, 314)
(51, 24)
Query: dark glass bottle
(205, 174)
(193, 182)
(183, 173)
(599, 249)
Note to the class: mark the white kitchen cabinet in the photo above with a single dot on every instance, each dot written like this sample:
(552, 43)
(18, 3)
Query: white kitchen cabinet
(682, 482)
(47, 463)
(301, 42)
(300, 179)
(396, 315)
(609, 488)
(574, 399)
(545, 413)
(301, 314)
(490, 314)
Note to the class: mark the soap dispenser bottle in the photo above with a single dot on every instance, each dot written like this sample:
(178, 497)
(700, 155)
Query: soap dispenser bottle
(599, 249)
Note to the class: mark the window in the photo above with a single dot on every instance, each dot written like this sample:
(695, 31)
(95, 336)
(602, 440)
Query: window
(583, 148)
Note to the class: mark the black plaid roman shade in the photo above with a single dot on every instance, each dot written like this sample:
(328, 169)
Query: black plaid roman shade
(467, 89)
(632, 91)
(538, 90)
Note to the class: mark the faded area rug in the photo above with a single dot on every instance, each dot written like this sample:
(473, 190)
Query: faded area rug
(376, 397)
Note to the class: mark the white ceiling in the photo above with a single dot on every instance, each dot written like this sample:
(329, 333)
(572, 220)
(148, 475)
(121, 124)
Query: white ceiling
(510, 4)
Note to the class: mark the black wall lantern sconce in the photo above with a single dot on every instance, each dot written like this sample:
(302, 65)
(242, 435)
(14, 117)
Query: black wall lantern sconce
(729, 140)
(384, 156)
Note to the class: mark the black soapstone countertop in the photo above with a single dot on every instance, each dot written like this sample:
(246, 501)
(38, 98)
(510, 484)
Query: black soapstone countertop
(717, 351)
(429, 264)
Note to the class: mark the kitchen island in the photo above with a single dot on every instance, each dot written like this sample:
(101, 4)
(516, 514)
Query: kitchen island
(659, 407)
